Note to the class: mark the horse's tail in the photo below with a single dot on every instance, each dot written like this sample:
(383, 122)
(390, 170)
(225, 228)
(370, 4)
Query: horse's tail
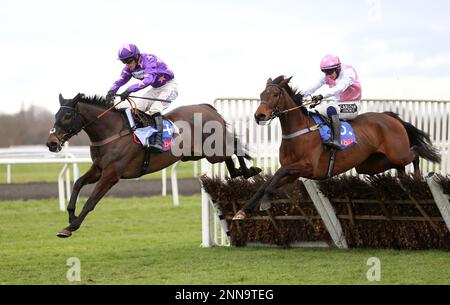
(420, 139)
(240, 148)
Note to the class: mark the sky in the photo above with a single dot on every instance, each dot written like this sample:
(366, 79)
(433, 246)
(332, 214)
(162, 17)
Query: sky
(400, 49)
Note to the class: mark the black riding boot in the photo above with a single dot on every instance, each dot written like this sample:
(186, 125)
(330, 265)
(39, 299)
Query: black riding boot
(157, 145)
(335, 142)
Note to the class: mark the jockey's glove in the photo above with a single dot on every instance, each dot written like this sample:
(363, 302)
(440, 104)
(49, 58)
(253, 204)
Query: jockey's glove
(124, 95)
(109, 96)
(316, 99)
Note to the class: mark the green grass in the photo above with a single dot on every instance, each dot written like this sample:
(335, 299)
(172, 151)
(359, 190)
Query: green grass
(25, 173)
(149, 241)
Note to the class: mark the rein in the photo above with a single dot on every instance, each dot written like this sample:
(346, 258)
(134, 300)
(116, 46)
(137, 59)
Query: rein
(133, 109)
(116, 135)
(276, 112)
(147, 98)
(112, 138)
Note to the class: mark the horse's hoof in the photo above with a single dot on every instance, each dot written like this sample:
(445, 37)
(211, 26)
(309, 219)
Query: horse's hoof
(64, 233)
(240, 215)
(265, 205)
(252, 171)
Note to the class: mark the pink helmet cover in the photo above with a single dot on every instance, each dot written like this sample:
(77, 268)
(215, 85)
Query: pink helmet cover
(330, 61)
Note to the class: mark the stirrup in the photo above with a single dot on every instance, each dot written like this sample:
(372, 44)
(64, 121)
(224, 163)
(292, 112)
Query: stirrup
(156, 147)
(334, 145)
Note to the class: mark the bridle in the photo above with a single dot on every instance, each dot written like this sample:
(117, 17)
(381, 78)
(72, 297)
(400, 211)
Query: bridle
(74, 130)
(276, 112)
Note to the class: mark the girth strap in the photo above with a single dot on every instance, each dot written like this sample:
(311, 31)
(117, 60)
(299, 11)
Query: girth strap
(331, 163)
(301, 132)
(146, 161)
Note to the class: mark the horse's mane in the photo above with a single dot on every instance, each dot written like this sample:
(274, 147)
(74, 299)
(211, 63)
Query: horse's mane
(294, 93)
(94, 100)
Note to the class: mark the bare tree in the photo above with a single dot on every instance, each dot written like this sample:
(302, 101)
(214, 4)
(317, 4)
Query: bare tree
(31, 127)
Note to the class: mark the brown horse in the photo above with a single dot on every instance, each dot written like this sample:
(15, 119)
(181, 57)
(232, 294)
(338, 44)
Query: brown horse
(384, 142)
(116, 156)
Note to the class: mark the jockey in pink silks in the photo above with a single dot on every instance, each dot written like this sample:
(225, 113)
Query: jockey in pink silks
(344, 88)
(152, 72)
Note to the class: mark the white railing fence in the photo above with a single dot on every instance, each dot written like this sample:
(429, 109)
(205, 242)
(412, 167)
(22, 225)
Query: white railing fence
(433, 117)
(69, 155)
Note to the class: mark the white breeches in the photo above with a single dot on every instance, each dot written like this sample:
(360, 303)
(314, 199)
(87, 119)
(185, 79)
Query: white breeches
(346, 110)
(167, 92)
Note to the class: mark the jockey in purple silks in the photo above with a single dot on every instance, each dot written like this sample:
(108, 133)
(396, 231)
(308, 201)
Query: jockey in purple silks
(344, 88)
(152, 72)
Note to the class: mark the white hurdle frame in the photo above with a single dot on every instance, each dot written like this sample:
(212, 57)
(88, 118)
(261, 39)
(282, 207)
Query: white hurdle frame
(64, 185)
(64, 176)
(432, 117)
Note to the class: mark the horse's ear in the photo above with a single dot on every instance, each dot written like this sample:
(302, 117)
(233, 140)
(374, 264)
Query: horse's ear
(285, 81)
(61, 99)
(269, 81)
(78, 97)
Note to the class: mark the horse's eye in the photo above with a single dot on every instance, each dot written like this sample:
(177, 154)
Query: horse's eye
(67, 116)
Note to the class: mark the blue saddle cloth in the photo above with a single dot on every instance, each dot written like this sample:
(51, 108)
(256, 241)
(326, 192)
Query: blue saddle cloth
(149, 133)
(347, 134)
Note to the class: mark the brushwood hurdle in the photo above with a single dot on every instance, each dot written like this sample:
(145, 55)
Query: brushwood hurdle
(263, 143)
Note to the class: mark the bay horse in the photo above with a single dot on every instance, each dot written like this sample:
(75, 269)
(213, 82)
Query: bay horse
(116, 155)
(384, 141)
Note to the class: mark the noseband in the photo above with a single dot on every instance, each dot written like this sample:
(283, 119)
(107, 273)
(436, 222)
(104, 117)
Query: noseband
(275, 112)
(73, 130)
